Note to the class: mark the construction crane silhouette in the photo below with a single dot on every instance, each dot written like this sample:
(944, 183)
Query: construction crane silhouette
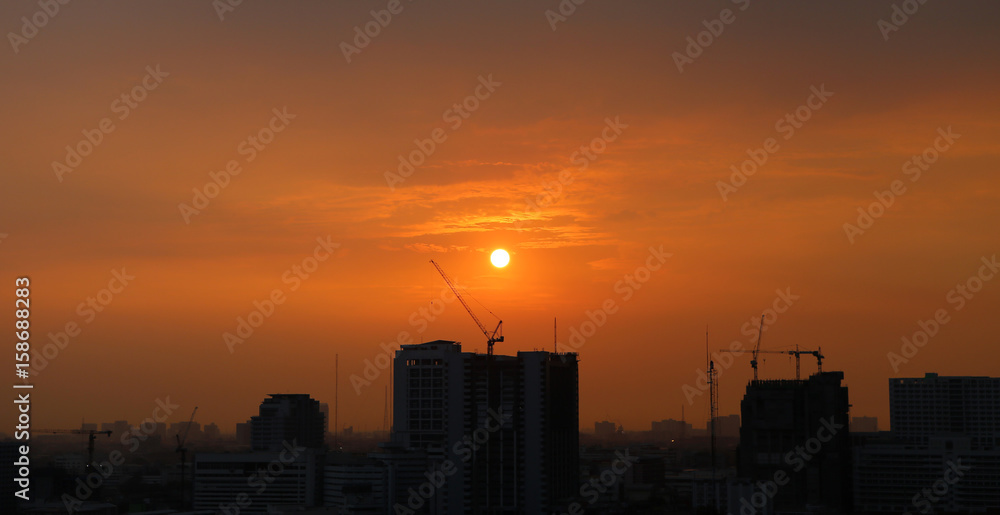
(797, 353)
(492, 384)
(497, 335)
(92, 435)
(183, 451)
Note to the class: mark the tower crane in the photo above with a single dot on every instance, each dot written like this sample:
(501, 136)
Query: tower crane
(496, 336)
(183, 451)
(92, 435)
(797, 353)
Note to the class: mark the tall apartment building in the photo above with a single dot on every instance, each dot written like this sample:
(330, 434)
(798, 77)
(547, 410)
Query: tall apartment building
(285, 418)
(795, 432)
(942, 452)
(509, 424)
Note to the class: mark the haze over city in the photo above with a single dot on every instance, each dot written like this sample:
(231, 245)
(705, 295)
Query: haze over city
(613, 171)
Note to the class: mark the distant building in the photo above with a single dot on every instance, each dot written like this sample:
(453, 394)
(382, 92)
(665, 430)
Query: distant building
(285, 418)
(191, 429)
(211, 431)
(117, 428)
(796, 431)
(864, 424)
(942, 452)
(160, 433)
(243, 433)
(727, 426)
(84, 426)
(668, 429)
(605, 428)
(522, 411)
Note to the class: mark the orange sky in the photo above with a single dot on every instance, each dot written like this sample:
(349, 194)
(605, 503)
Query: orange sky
(655, 184)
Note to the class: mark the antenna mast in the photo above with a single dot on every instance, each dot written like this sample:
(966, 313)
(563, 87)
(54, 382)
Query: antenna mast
(336, 400)
(713, 408)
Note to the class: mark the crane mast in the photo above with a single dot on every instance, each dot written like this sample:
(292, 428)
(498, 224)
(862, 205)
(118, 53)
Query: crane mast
(756, 349)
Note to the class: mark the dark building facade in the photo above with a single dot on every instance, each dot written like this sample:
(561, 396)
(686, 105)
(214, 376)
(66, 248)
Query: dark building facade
(942, 453)
(285, 418)
(795, 437)
(509, 424)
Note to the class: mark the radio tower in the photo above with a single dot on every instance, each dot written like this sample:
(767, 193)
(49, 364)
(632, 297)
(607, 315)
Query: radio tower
(336, 402)
(713, 413)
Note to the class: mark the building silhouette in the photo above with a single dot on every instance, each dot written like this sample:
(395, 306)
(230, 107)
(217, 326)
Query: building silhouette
(324, 408)
(795, 436)
(257, 482)
(931, 406)
(355, 484)
(287, 418)
(471, 433)
(284, 469)
(942, 452)
(670, 428)
(727, 426)
(605, 428)
(509, 424)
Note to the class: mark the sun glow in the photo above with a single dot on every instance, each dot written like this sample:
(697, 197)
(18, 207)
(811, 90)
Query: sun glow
(500, 258)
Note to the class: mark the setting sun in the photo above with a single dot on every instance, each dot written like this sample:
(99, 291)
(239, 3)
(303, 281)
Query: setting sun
(500, 258)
